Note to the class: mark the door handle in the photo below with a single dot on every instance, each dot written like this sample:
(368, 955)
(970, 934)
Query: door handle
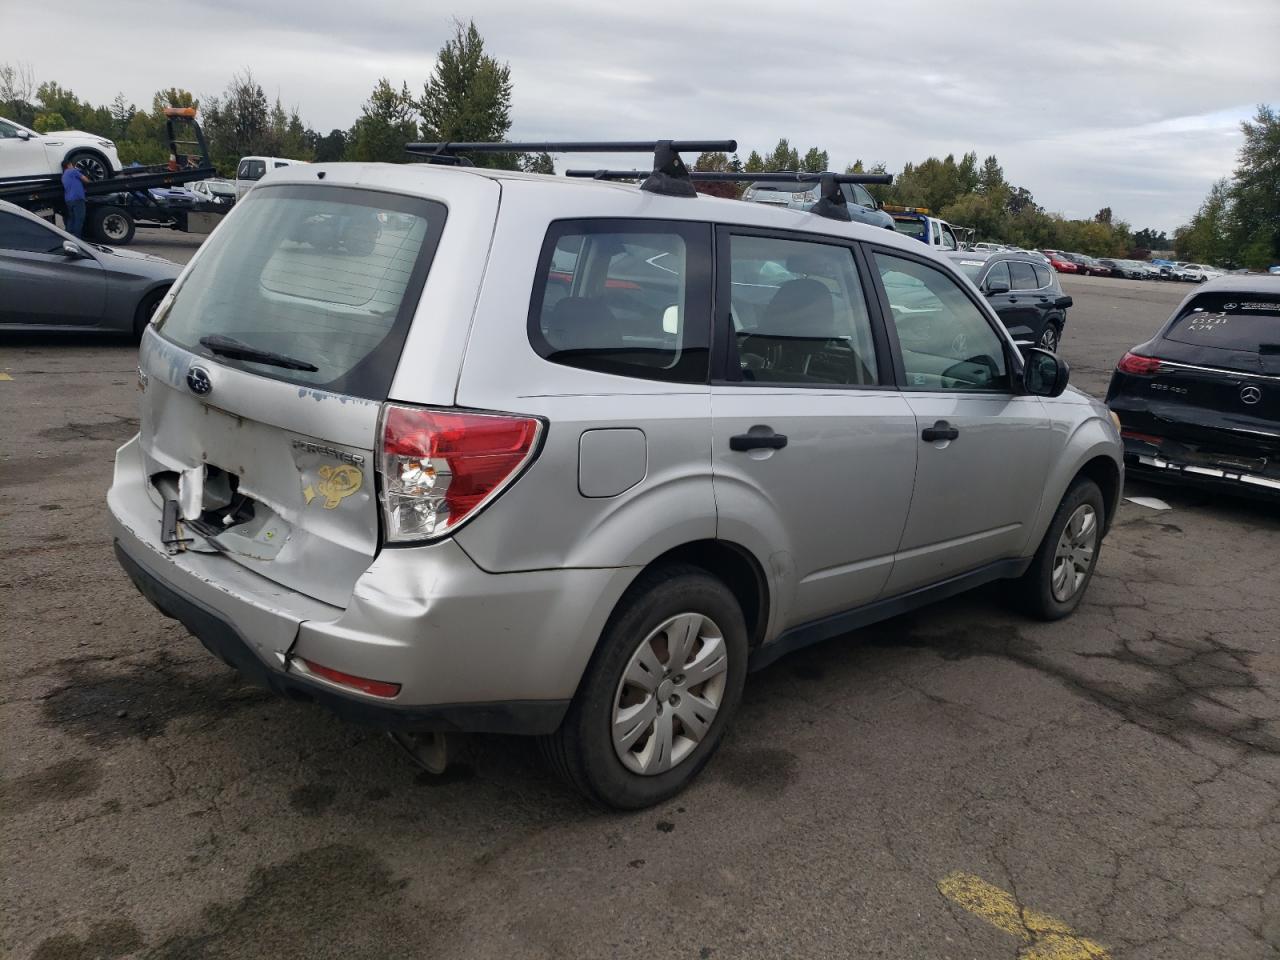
(758, 441)
(939, 431)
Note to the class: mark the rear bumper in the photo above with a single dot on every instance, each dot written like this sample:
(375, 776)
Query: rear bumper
(1174, 462)
(471, 650)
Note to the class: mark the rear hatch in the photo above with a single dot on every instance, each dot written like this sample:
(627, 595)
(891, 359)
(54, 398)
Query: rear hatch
(264, 376)
(1217, 386)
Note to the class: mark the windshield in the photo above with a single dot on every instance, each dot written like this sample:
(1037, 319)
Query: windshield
(309, 272)
(970, 268)
(910, 227)
(222, 189)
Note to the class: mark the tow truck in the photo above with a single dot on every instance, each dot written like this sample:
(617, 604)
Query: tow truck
(115, 206)
(920, 223)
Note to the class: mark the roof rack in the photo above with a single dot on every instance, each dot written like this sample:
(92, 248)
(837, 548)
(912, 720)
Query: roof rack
(831, 201)
(669, 176)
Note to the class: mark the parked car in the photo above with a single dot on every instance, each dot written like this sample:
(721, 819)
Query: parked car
(1024, 293)
(540, 466)
(53, 281)
(1198, 273)
(215, 191)
(25, 153)
(1200, 401)
(863, 208)
(1060, 263)
(1096, 268)
(252, 169)
(1126, 269)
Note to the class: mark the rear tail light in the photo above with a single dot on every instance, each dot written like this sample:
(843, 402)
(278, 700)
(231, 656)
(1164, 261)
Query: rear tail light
(440, 467)
(374, 688)
(1139, 365)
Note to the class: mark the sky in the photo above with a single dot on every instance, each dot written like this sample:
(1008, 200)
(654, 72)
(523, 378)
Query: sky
(1136, 106)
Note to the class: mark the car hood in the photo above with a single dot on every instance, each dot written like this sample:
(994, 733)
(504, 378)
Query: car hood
(78, 134)
(140, 262)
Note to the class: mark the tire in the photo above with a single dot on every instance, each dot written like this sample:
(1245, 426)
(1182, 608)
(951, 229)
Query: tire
(146, 307)
(1038, 592)
(91, 163)
(1050, 337)
(661, 603)
(111, 225)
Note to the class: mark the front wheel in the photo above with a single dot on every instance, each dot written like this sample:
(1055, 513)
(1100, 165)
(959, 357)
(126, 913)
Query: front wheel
(92, 165)
(1056, 581)
(659, 692)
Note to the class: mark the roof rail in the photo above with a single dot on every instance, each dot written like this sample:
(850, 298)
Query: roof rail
(831, 200)
(669, 176)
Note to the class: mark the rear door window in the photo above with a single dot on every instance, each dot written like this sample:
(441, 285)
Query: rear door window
(311, 272)
(1247, 322)
(799, 315)
(627, 297)
(1043, 277)
(999, 272)
(19, 233)
(1023, 276)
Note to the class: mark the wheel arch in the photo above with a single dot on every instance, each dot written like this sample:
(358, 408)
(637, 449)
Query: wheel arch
(156, 291)
(106, 161)
(1104, 471)
(737, 568)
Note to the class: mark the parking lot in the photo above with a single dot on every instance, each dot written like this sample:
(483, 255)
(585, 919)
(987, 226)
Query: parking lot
(956, 783)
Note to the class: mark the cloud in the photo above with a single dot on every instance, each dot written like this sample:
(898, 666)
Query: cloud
(1132, 106)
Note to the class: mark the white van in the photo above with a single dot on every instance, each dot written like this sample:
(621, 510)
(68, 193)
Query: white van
(252, 169)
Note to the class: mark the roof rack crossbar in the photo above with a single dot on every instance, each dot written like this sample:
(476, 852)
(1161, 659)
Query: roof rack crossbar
(717, 176)
(831, 199)
(669, 176)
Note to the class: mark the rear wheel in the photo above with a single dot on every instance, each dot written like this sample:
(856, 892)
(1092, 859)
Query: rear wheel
(1051, 337)
(111, 225)
(146, 309)
(659, 693)
(92, 165)
(1056, 581)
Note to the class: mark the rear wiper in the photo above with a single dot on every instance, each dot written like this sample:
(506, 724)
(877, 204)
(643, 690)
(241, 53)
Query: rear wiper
(230, 347)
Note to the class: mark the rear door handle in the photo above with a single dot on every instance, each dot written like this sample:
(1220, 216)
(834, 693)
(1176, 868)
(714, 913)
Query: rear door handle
(758, 441)
(939, 431)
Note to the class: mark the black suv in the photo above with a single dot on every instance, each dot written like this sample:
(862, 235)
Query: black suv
(1023, 290)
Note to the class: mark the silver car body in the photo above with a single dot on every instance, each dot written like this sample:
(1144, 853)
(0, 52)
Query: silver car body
(45, 287)
(855, 515)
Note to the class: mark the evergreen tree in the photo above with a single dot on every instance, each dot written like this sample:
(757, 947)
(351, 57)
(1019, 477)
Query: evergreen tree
(385, 125)
(468, 96)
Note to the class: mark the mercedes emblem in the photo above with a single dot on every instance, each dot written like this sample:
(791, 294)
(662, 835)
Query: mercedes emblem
(1250, 395)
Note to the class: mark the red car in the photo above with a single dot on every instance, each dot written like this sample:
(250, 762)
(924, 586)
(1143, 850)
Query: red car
(1058, 263)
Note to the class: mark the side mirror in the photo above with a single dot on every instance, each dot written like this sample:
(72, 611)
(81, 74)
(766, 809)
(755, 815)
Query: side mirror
(1044, 374)
(73, 250)
(997, 286)
(23, 135)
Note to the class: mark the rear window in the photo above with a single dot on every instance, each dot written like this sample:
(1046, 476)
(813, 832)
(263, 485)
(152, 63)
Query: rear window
(910, 227)
(1230, 321)
(316, 274)
(251, 170)
(627, 297)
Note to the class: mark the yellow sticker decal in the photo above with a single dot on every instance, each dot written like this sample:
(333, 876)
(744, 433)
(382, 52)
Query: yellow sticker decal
(334, 485)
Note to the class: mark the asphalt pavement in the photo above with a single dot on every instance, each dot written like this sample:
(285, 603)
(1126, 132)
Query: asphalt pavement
(956, 783)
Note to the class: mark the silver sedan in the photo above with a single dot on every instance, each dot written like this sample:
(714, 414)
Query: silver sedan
(49, 280)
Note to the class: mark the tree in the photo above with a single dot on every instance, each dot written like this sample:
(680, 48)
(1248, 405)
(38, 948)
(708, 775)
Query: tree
(1103, 215)
(328, 148)
(385, 125)
(538, 163)
(1254, 217)
(783, 157)
(468, 96)
(754, 164)
(814, 161)
(1150, 239)
(122, 112)
(991, 177)
(1205, 237)
(718, 163)
(238, 123)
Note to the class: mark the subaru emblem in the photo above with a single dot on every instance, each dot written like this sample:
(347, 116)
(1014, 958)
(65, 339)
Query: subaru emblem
(198, 381)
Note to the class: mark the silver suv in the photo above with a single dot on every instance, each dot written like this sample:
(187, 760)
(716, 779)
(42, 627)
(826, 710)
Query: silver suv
(455, 449)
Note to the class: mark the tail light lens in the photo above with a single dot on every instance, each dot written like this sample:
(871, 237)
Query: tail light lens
(440, 467)
(1139, 365)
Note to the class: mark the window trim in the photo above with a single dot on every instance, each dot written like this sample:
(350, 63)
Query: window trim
(726, 371)
(1012, 358)
(699, 284)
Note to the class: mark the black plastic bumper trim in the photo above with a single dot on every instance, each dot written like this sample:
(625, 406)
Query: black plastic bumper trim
(225, 642)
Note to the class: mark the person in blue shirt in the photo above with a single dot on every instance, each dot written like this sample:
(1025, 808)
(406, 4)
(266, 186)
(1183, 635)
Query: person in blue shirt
(73, 182)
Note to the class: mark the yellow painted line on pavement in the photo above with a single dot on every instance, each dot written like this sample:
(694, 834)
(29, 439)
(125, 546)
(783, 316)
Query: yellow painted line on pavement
(1043, 937)
(5, 376)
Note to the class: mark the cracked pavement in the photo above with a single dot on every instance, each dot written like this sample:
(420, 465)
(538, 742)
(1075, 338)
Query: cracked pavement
(1118, 771)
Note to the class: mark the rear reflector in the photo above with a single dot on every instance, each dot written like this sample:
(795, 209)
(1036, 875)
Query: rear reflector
(1144, 437)
(1139, 365)
(375, 688)
(439, 467)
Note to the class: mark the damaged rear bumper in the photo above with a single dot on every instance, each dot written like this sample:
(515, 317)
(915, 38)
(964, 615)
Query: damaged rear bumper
(1174, 462)
(471, 650)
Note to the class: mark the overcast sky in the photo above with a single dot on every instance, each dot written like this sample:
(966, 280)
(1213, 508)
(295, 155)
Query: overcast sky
(1132, 105)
